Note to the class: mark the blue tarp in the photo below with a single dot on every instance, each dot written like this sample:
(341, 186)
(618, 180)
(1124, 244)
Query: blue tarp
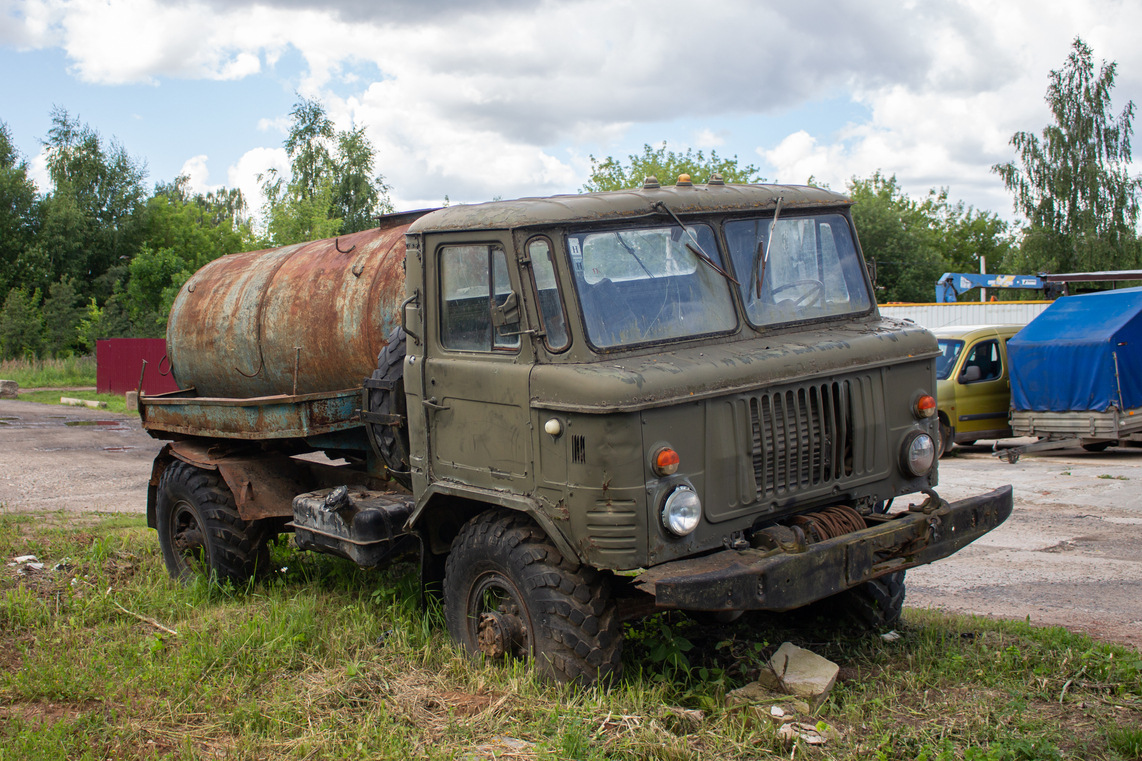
(1082, 353)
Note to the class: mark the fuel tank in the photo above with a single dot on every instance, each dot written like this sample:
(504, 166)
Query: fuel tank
(299, 319)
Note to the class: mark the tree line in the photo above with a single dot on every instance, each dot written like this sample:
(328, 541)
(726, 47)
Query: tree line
(98, 255)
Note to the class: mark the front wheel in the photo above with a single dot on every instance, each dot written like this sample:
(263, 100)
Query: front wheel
(875, 604)
(200, 531)
(508, 592)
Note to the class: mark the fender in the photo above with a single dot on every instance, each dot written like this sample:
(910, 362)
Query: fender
(491, 497)
(263, 484)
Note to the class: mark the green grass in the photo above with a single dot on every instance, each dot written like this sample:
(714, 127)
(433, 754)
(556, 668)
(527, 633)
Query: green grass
(115, 402)
(324, 660)
(38, 373)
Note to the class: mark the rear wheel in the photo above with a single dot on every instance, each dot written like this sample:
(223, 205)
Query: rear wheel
(200, 531)
(508, 592)
(1099, 446)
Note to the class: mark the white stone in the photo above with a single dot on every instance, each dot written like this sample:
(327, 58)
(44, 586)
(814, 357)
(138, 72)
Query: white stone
(803, 673)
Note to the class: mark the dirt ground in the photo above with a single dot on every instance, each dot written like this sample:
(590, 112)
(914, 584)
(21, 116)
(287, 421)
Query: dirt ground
(1070, 555)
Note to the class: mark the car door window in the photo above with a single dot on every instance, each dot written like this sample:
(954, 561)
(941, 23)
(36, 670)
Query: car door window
(984, 356)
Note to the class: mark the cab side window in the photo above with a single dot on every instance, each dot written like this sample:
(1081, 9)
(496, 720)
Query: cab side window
(547, 294)
(983, 363)
(479, 310)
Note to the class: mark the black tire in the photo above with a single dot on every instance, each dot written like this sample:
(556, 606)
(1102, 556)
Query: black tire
(391, 439)
(876, 604)
(509, 591)
(1098, 446)
(943, 440)
(200, 531)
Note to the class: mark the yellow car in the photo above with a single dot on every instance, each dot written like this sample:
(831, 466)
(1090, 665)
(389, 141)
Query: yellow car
(973, 385)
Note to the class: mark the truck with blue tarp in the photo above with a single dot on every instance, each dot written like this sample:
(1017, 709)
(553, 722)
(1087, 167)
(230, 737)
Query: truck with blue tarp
(1076, 374)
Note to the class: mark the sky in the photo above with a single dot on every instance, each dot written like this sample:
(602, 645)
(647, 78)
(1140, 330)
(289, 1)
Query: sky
(472, 100)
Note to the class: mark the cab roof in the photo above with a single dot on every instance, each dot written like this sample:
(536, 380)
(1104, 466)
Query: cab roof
(968, 332)
(624, 204)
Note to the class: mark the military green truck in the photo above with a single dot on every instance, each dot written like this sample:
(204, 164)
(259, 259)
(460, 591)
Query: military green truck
(585, 409)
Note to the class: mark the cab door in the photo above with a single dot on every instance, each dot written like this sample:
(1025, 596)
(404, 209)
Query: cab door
(477, 369)
(983, 392)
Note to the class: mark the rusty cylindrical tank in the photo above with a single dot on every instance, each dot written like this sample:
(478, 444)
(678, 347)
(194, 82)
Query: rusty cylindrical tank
(300, 319)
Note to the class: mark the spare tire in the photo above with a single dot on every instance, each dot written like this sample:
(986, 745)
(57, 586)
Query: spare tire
(386, 420)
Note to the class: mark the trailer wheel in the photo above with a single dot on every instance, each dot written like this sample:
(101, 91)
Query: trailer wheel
(200, 531)
(391, 438)
(509, 592)
(876, 604)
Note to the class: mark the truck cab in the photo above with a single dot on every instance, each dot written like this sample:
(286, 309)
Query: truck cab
(557, 346)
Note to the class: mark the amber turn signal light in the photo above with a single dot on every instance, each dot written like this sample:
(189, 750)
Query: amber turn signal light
(925, 406)
(666, 462)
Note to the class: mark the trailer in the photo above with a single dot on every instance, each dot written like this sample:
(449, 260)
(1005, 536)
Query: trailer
(1076, 374)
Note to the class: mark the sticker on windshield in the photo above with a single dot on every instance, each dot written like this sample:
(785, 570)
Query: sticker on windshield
(576, 252)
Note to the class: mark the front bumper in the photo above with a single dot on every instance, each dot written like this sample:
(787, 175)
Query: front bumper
(783, 580)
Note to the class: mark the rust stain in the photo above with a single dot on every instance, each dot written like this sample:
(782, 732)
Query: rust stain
(293, 320)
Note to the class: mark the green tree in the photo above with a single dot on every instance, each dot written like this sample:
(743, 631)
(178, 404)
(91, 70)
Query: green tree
(19, 215)
(899, 236)
(665, 165)
(969, 235)
(21, 324)
(1072, 183)
(62, 313)
(332, 187)
(308, 146)
(154, 279)
(360, 196)
(108, 321)
(199, 228)
(89, 218)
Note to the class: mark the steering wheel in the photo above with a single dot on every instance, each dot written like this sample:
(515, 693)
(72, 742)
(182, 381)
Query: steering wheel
(816, 291)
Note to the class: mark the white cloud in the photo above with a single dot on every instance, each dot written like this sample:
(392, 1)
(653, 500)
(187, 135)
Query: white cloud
(38, 171)
(708, 138)
(505, 97)
(254, 163)
(198, 175)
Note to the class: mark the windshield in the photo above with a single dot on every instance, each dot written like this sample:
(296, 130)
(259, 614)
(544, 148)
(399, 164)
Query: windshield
(949, 351)
(812, 269)
(644, 284)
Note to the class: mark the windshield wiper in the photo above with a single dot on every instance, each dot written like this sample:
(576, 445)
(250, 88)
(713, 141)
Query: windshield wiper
(761, 259)
(696, 248)
(633, 254)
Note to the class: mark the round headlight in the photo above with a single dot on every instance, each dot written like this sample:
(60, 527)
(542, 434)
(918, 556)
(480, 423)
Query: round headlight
(682, 511)
(919, 453)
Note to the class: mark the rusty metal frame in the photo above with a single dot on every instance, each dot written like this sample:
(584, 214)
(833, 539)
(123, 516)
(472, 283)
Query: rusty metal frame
(781, 580)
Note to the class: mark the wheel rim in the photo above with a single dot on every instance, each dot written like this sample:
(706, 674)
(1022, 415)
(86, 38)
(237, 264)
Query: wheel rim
(498, 622)
(188, 539)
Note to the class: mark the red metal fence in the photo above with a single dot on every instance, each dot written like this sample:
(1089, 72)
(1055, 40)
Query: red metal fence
(119, 360)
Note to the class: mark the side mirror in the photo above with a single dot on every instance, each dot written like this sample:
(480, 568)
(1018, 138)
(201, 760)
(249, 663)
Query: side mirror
(970, 374)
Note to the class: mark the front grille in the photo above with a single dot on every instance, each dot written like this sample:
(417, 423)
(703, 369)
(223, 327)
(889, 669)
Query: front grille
(803, 436)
